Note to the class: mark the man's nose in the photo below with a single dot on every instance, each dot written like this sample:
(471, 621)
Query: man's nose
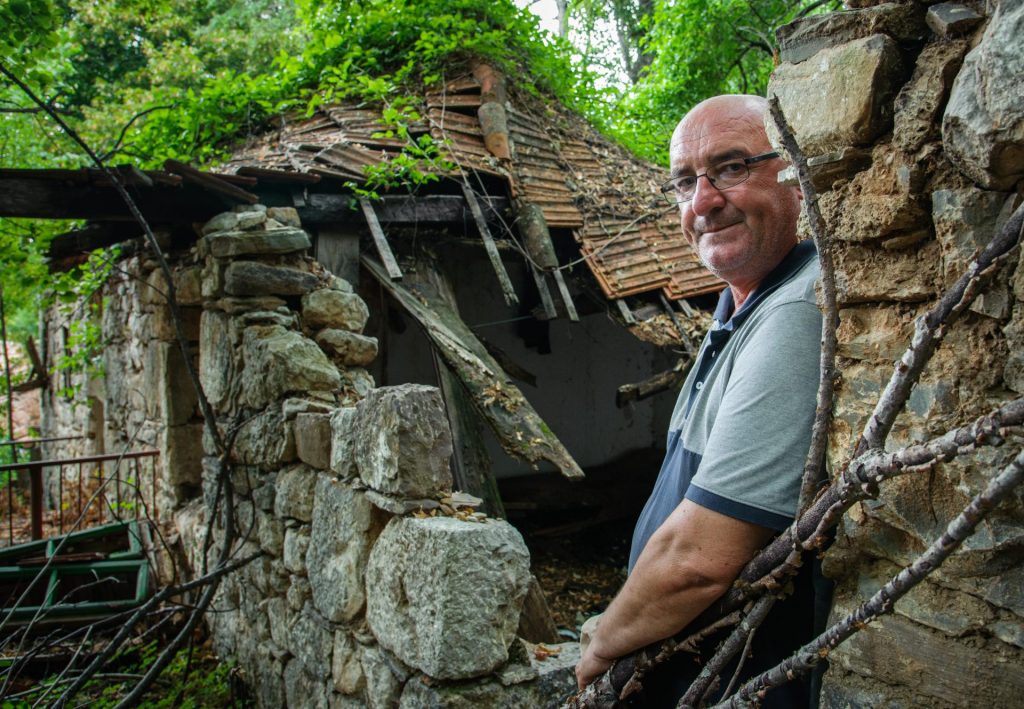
(706, 196)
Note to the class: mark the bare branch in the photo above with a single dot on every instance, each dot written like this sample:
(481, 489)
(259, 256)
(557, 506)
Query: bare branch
(830, 312)
(882, 602)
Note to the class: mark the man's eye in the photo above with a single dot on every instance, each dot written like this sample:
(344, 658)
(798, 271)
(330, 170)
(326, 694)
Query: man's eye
(731, 168)
(686, 182)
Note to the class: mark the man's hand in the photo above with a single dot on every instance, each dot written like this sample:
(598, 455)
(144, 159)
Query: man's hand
(591, 667)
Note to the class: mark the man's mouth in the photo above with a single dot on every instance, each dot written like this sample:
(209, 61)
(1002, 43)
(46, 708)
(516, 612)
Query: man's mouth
(716, 228)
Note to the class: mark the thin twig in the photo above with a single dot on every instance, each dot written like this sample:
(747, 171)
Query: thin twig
(737, 639)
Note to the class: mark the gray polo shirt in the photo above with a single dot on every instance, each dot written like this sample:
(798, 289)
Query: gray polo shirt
(742, 423)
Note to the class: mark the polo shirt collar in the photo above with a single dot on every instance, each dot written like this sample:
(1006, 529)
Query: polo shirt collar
(797, 257)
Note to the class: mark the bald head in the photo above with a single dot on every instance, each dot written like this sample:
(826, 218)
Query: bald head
(743, 230)
(744, 113)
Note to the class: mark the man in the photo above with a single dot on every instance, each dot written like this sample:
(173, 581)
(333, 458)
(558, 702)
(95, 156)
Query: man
(741, 427)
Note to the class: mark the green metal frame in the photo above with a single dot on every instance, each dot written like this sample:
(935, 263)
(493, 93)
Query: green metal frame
(131, 560)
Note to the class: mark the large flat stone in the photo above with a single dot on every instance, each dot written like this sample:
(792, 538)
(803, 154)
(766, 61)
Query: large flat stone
(252, 278)
(284, 240)
(402, 443)
(447, 594)
(866, 274)
(803, 38)
(841, 98)
(983, 128)
(342, 531)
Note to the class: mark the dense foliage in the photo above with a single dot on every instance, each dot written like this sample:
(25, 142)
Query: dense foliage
(145, 80)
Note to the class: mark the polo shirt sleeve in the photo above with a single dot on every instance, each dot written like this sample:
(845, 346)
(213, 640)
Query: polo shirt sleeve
(754, 457)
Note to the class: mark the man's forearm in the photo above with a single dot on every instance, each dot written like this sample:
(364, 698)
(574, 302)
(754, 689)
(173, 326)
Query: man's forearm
(660, 598)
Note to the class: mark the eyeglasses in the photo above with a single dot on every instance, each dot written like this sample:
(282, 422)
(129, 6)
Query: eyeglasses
(721, 176)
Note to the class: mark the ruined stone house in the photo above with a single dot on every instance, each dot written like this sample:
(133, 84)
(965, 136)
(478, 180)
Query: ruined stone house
(914, 120)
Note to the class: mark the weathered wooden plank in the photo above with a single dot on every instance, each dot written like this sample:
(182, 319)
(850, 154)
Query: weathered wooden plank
(545, 294)
(518, 427)
(570, 307)
(323, 208)
(210, 182)
(472, 465)
(490, 247)
(379, 240)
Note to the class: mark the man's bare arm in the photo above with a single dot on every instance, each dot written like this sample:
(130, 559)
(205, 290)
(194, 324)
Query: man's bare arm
(689, 562)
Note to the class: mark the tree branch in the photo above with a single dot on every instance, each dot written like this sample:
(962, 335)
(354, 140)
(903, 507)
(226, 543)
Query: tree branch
(882, 602)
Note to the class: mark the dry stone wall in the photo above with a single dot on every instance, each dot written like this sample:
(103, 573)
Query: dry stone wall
(143, 399)
(368, 592)
(914, 115)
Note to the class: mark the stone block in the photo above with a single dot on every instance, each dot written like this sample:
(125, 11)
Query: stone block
(919, 104)
(311, 641)
(547, 683)
(265, 440)
(965, 222)
(894, 651)
(270, 533)
(402, 443)
(285, 215)
(216, 358)
(873, 333)
(225, 221)
(342, 531)
(251, 220)
(174, 392)
(303, 690)
(948, 19)
(296, 544)
(843, 97)
(188, 285)
(154, 290)
(283, 240)
(162, 324)
(343, 441)
(983, 127)
(356, 383)
(313, 439)
(346, 668)
(278, 361)
(866, 274)
(234, 306)
(348, 348)
(294, 495)
(182, 454)
(863, 216)
(384, 677)
(454, 617)
(803, 38)
(329, 308)
(251, 278)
